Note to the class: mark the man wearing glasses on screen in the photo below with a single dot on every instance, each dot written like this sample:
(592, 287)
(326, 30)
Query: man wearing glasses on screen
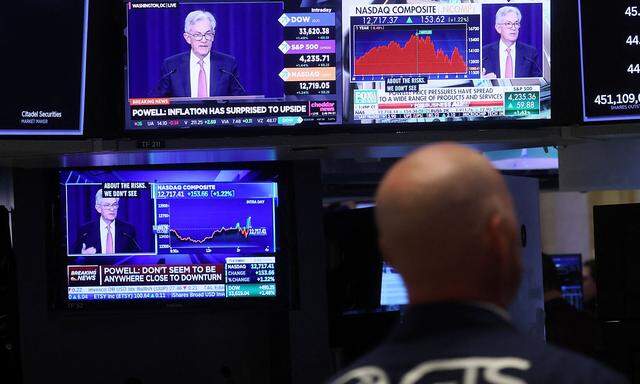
(107, 235)
(508, 58)
(201, 72)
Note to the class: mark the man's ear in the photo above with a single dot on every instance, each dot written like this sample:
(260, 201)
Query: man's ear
(498, 27)
(501, 237)
(187, 38)
(497, 235)
(97, 207)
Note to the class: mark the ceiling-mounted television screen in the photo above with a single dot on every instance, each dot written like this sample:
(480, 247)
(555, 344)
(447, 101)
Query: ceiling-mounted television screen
(446, 61)
(609, 61)
(44, 67)
(211, 65)
(171, 235)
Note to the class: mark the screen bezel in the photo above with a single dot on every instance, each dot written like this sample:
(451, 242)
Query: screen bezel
(594, 120)
(286, 240)
(67, 133)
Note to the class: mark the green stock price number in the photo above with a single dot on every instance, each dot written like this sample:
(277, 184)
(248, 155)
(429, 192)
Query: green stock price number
(522, 103)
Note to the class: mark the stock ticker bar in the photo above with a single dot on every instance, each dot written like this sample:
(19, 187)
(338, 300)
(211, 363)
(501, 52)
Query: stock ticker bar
(310, 53)
(520, 101)
(610, 61)
(151, 114)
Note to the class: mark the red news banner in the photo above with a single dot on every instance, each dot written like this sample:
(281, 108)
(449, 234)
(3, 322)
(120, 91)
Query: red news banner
(100, 275)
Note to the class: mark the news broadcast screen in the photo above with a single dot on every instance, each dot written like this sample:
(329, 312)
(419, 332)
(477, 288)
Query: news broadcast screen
(43, 89)
(212, 64)
(433, 61)
(193, 234)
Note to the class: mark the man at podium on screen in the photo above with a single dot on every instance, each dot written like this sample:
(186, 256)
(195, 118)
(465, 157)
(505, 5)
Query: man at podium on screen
(200, 72)
(507, 58)
(107, 235)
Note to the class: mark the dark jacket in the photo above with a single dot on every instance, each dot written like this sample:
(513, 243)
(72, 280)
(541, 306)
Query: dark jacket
(175, 80)
(527, 60)
(569, 328)
(89, 234)
(459, 343)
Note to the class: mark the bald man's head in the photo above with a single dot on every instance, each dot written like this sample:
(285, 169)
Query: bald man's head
(446, 223)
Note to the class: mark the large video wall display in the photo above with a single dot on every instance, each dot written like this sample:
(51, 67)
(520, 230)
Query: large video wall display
(210, 65)
(610, 65)
(43, 71)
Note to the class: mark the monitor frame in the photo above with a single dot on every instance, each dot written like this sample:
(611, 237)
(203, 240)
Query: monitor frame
(564, 89)
(286, 242)
(62, 133)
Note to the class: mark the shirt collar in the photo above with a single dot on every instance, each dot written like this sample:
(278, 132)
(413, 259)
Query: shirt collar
(195, 59)
(491, 308)
(425, 319)
(104, 224)
(503, 46)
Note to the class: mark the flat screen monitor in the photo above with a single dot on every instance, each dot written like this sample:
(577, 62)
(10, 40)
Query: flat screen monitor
(569, 271)
(215, 64)
(393, 293)
(211, 65)
(171, 235)
(446, 61)
(44, 67)
(610, 67)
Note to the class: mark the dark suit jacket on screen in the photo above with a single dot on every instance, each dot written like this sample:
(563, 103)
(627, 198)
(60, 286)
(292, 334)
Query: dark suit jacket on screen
(89, 234)
(176, 82)
(443, 343)
(527, 60)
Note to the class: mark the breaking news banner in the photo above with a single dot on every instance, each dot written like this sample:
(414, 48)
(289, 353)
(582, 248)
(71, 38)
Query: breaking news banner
(113, 275)
(115, 282)
(236, 110)
(146, 113)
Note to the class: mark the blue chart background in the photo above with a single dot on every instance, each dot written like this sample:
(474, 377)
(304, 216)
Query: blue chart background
(444, 38)
(248, 31)
(135, 211)
(531, 28)
(198, 218)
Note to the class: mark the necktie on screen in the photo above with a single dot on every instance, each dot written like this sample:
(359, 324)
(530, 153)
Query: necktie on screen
(202, 81)
(109, 240)
(508, 68)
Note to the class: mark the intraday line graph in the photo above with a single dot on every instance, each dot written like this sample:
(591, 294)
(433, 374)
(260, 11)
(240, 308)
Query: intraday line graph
(242, 231)
(216, 225)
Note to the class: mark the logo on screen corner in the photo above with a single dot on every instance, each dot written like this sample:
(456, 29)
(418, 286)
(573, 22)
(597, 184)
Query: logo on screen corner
(365, 96)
